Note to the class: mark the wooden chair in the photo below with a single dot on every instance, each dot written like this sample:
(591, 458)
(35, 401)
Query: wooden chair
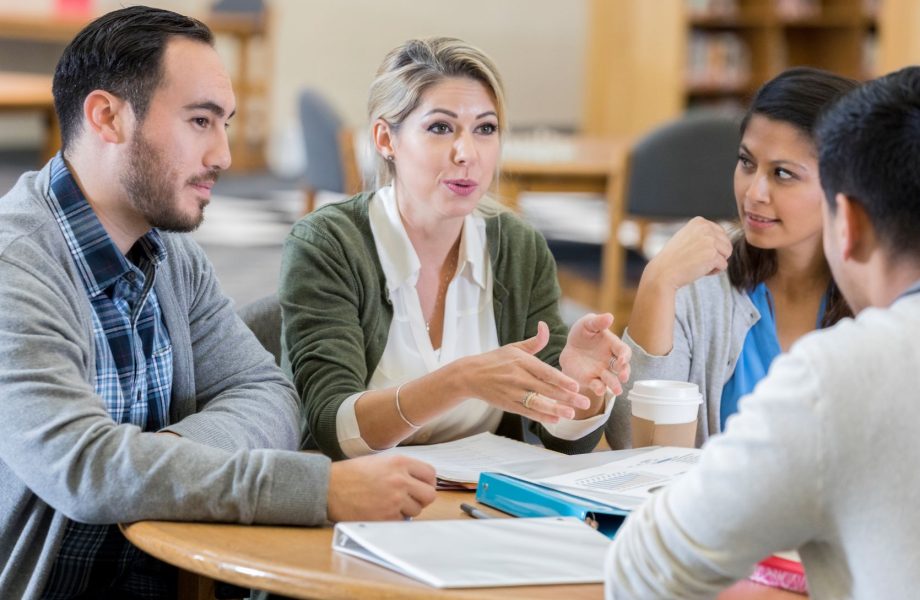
(250, 24)
(680, 170)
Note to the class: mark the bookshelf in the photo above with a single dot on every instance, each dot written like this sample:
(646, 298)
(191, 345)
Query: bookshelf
(649, 61)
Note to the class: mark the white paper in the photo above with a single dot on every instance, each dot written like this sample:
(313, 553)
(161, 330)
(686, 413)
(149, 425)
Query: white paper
(480, 552)
(464, 459)
(561, 464)
(628, 482)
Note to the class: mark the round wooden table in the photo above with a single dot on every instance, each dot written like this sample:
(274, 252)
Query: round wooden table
(299, 562)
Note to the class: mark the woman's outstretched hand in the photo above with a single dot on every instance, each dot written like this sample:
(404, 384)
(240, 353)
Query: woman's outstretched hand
(594, 357)
(515, 380)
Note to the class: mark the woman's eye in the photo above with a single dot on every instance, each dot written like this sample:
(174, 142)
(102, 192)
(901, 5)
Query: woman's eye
(784, 175)
(439, 128)
(745, 161)
(488, 128)
(201, 121)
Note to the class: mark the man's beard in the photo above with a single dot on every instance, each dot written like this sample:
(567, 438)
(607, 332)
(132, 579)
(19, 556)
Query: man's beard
(149, 181)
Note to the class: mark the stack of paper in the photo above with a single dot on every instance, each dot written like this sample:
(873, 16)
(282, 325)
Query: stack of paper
(599, 488)
(626, 482)
(459, 463)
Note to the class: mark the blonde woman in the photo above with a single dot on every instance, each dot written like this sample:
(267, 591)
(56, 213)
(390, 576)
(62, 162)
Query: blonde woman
(421, 312)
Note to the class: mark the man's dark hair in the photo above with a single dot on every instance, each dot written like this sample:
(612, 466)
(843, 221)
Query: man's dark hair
(870, 151)
(796, 97)
(121, 53)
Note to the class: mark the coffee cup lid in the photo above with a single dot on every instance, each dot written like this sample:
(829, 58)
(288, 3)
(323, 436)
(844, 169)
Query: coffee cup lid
(661, 389)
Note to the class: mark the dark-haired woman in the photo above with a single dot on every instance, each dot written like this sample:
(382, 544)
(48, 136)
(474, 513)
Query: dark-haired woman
(716, 311)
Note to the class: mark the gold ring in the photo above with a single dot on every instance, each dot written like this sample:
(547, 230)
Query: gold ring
(528, 399)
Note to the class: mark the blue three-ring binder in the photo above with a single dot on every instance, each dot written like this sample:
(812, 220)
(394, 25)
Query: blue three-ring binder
(526, 499)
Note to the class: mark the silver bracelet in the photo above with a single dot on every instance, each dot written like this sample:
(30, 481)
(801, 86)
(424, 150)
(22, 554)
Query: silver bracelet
(399, 410)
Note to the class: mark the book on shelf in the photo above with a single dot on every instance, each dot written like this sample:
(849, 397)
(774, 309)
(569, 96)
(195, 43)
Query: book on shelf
(798, 9)
(717, 61)
(712, 9)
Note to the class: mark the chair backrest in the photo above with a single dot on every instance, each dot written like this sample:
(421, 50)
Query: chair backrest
(238, 6)
(680, 170)
(321, 128)
(685, 169)
(263, 317)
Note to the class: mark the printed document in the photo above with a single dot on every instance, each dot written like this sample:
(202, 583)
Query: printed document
(461, 461)
(624, 483)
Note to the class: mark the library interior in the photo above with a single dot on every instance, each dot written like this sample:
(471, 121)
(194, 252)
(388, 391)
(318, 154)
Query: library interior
(622, 137)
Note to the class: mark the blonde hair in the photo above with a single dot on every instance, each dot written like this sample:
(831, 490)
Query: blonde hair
(409, 70)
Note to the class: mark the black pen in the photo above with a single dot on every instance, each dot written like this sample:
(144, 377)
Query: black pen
(473, 511)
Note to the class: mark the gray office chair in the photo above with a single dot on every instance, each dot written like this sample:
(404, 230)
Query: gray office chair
(263, 317)
(322, 132)
(680, 170)
(685, 169)
(238, 6)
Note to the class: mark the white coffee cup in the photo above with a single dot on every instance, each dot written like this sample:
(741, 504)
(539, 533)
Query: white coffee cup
(664, 413)
(665, 402)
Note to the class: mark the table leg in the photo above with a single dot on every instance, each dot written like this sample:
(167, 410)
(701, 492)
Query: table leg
(194, 587)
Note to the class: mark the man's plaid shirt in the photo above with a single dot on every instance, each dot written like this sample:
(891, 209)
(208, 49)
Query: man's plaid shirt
(134, 372)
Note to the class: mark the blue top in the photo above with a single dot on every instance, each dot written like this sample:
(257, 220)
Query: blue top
(761, 346)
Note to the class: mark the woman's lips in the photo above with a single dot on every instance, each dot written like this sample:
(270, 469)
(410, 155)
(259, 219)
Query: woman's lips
(461, 187)
(756, 221)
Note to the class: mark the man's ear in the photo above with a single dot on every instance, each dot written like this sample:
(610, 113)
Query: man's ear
(383, 139)
(107, 116)
(854, 229)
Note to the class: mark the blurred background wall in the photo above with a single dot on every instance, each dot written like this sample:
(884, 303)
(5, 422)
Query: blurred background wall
(336, 47)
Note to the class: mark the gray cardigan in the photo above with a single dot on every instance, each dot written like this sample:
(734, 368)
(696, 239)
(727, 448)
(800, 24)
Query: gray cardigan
(712, 319)
(61, 456)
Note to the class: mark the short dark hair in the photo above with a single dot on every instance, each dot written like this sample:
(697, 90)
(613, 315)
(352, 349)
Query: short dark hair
(796, 97)
(869, 150)
(121, 53)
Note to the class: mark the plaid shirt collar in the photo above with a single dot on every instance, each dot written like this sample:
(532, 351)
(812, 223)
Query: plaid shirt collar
(99, 260)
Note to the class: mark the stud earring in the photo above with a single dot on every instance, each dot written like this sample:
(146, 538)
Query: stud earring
(389, 157)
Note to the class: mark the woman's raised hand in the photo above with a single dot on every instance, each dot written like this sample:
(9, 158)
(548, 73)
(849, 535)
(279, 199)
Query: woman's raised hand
(700, 248)
(515, 380)
(594, 357)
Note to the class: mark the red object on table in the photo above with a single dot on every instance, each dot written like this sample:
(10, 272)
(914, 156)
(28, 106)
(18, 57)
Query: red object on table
(782, 573)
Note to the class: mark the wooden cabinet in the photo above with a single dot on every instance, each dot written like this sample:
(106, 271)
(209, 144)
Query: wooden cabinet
(899, 34)
(650, 60)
